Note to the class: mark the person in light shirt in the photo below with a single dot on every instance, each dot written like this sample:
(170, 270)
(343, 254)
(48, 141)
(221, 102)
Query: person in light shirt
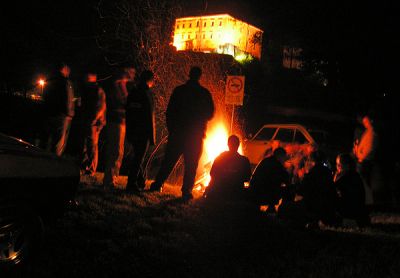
(364, 152)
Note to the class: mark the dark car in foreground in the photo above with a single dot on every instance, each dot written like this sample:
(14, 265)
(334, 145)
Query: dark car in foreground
(35, 187)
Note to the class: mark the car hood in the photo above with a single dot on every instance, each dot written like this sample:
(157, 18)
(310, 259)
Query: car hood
(23, 160)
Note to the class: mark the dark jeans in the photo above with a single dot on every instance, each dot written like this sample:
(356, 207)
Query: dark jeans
(191, 148)
(136, 176)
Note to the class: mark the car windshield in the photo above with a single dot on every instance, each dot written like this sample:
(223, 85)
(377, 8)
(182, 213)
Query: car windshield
(265, 134)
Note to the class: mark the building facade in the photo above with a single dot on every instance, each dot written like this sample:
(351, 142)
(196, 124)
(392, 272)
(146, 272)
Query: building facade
(219, 33)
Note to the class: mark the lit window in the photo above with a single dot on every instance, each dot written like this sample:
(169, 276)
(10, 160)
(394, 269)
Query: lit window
(204, 36)
(188, 37)
(183, 36)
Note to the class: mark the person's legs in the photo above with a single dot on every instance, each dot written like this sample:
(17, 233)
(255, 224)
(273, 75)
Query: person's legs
(114, 152)
(173, 151)
(193, 148)
(61, 135)
(92, 149)
(136, 179)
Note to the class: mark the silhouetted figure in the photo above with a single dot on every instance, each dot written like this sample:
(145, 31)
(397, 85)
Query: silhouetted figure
(318, 193)
(228, 173)
(60, 109)
(93, 107)
(269, 180)
(350, 189)
(116, 97)
(140, 128)
(189, 109)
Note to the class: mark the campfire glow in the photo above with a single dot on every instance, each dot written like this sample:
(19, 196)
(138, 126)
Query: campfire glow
(215, 143)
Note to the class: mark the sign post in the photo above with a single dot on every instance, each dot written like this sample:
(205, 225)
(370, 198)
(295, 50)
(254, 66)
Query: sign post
(234, 92)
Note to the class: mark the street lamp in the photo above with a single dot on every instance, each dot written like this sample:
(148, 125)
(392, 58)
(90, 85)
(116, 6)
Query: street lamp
(41, 83)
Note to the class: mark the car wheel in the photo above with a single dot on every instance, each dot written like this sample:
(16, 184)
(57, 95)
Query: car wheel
(21, 232)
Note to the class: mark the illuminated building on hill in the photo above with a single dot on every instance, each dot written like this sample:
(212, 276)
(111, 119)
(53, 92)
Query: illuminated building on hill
(220, 33)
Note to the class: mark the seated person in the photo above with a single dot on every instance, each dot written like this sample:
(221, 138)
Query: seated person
(228, 173)
(269, 180)
(317, 194)
(350, 190)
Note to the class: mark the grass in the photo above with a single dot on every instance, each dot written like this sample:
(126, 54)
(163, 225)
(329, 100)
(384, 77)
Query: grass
(113, 234)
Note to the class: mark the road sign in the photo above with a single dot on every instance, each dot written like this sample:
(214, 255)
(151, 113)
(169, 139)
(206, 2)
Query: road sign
(234, 90)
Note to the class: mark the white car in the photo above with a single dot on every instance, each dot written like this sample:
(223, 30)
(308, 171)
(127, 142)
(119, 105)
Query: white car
(293, 137)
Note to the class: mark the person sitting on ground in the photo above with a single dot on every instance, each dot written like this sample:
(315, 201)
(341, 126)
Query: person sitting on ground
(228, 173)
(269, 180)
(317, 193)
(350, 189)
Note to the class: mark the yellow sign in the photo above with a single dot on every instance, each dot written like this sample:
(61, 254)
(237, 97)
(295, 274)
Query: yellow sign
(234, 90)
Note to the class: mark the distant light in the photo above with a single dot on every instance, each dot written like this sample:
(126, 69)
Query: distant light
(41, 82)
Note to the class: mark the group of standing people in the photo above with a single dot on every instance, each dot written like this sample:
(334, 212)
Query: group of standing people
(126, 108)
(117, 101)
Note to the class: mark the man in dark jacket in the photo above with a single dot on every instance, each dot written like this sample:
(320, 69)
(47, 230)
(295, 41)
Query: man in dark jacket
(189, 110)
(140, 128)
(60, 109)
(228, 173)
(269, 180)
(93, 105)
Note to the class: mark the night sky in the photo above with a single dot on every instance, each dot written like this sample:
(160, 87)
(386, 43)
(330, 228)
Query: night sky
(36, 34)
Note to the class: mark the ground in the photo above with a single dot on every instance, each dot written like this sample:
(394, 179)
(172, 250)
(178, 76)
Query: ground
(114, 234)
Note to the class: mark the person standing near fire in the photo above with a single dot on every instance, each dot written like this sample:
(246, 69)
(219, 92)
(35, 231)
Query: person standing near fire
(140, 128)
(189, 109)
(116, 96)
(365, 151)
(93, 105)
(60, 109)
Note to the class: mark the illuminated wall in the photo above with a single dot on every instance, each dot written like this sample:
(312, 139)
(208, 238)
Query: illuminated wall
(219, 34)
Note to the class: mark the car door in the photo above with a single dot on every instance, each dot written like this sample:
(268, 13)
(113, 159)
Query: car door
(256, 147)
